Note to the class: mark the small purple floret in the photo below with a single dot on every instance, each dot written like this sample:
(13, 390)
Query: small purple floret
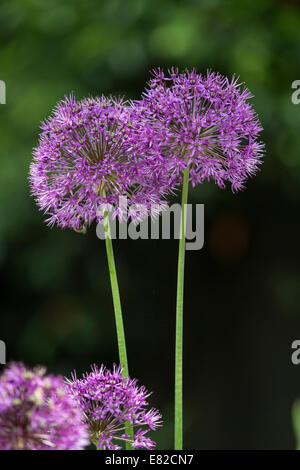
(111, 405)
(37, 413)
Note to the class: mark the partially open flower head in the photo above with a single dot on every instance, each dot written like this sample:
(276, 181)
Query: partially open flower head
(90, 154)
(212, 127)
(37, 413)
(111, 405)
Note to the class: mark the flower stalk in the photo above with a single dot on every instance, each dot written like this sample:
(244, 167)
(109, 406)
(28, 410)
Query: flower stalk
(178, 436)
(116, 296)
(117, 305)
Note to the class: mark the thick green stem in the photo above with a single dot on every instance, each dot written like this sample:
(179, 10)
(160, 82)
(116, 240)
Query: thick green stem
(117, 306)
(179, 317)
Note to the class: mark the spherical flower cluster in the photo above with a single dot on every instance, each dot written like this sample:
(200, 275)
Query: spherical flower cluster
(90, 154)
(36, 412)
(111, 405)
(211, 126)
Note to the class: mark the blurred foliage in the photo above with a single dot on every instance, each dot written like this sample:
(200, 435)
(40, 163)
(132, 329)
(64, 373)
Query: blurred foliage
(55, 301)
(296, 422)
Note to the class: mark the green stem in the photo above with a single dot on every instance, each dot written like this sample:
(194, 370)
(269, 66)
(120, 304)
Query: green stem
(116, 297)
(179, 317)
(117, 306)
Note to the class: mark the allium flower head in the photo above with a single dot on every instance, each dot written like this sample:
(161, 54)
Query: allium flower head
(90, 153)
(36, 412)
(211, 125)
(111, 404)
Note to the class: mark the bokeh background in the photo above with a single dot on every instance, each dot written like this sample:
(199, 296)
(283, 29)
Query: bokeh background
(242, 289)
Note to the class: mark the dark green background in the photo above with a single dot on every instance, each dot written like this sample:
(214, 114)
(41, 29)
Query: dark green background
(242, 289)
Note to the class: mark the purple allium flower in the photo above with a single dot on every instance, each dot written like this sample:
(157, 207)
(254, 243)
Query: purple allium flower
(111, 404)
(37, 413)
(90, 153)
(212, 127)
